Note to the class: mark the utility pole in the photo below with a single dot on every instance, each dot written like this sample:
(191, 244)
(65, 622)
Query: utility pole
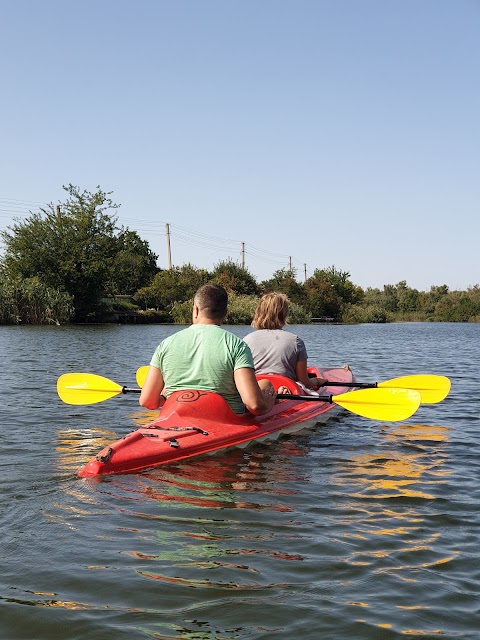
(243, 255)
(58, 213)
(169, 253)
(290, 263)
(305, 272)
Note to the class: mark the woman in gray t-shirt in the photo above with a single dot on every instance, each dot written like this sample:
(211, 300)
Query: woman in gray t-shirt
(275, 350)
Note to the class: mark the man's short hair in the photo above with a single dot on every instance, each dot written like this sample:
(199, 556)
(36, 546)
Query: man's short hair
(212, 301)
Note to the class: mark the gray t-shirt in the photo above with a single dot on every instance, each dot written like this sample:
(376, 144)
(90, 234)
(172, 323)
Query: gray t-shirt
(276, 351)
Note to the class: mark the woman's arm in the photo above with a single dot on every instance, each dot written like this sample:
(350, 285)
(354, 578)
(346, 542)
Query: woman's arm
(302, 376)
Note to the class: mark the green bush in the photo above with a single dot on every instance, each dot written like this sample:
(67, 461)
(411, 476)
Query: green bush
(181, 312)
(152, 316)
(297, 314)
(241, 309)
(355, 314)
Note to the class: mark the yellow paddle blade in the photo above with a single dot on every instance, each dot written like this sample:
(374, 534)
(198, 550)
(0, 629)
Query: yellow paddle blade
(86, 388)
(141, 375)
(390, 405)
(432, 389)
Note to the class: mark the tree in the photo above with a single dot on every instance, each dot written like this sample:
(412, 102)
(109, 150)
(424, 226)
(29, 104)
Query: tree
(78, 249)
(284, 281)
(172, 285)
(390, 297)
(407, 297)
(373, 297)
(438, 292)
(234, 278)
(329, 291)
(458, 306)
(134, 264)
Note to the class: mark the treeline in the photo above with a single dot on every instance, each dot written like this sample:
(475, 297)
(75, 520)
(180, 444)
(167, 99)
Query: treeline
(73, 263)
(329, 295)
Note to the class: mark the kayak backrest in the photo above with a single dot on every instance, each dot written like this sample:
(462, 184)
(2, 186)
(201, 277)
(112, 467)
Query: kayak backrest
(194, 404)
(281, 381)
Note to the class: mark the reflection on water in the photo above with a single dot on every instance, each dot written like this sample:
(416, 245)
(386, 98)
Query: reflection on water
(75, 447)
(385, 521)
(408, 466)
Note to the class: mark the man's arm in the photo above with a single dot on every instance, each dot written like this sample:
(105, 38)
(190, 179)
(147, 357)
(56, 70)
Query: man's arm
(258, 397)
(151, 396)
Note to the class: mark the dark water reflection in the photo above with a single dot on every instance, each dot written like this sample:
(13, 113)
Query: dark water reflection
(357, 529)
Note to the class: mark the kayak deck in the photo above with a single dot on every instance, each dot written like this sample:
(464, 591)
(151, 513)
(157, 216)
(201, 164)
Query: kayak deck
(193, 423)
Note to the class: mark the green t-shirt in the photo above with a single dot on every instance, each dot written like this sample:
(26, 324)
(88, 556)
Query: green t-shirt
(203, 357)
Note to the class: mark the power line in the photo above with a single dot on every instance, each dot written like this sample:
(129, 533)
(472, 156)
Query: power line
(17, 208)
(15, 200)
(14, 208)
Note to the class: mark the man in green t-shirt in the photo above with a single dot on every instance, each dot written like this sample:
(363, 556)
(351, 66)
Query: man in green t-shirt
(206, 357)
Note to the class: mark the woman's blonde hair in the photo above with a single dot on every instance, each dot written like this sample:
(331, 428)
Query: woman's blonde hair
(271, 312)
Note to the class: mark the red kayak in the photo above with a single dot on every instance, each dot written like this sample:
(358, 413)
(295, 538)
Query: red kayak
(193, 423)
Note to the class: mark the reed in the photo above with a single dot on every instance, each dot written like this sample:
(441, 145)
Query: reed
(30, 301)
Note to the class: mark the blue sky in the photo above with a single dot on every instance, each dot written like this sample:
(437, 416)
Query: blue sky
(339, 132)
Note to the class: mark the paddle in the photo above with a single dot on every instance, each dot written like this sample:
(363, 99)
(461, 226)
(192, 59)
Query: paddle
(141, 375)
(432, 389)
(390, 405)
(378, 404)
(88, 388)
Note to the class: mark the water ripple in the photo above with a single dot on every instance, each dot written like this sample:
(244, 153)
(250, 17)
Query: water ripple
(358, 529)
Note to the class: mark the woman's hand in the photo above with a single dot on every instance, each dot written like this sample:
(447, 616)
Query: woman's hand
(316, 383)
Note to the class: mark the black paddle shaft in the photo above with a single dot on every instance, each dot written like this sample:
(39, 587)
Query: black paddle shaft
(356, 385)
(291, 396)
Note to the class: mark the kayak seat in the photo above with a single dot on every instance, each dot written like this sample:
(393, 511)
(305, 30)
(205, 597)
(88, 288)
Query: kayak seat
(281, 381)
(200, 405)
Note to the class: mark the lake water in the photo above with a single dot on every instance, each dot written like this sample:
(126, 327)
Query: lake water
(355, 530)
